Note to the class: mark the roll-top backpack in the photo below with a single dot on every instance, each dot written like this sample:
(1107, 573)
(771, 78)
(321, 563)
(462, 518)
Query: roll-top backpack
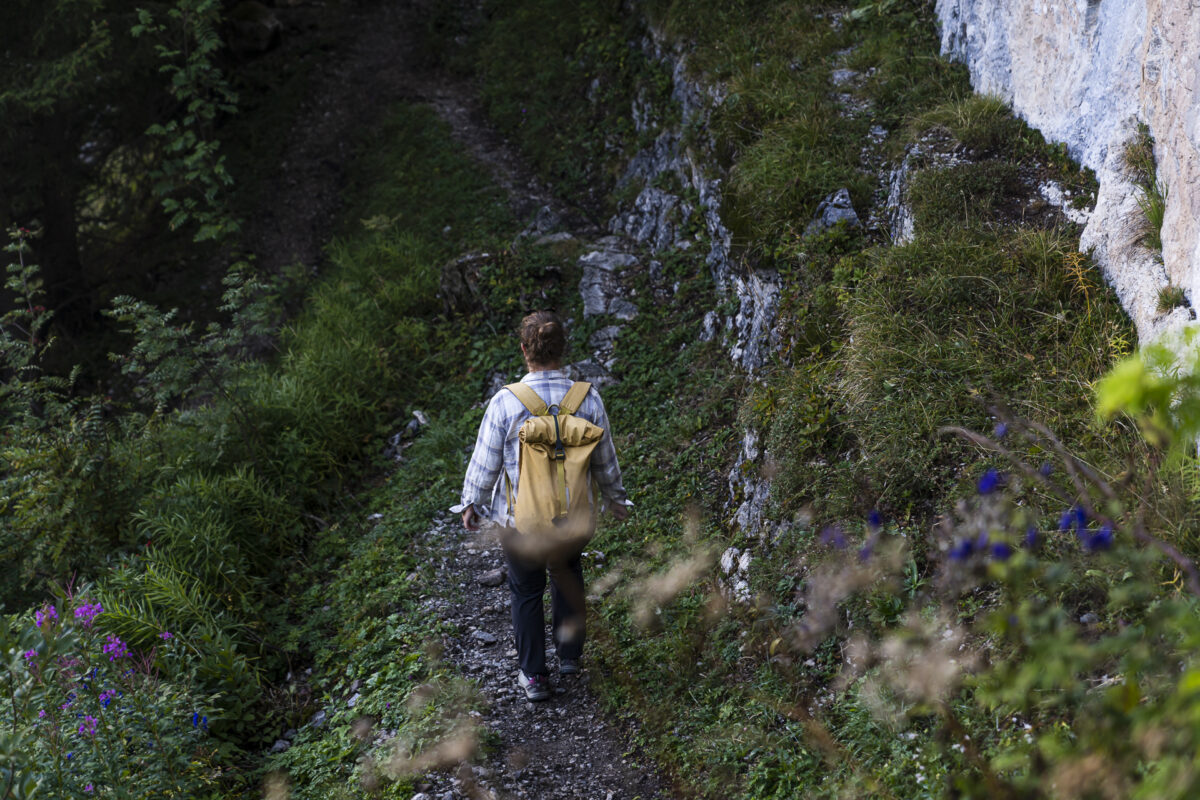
(554, 499)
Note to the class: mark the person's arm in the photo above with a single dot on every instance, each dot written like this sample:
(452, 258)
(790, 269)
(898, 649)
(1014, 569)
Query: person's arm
(487, 460)
(604, 469)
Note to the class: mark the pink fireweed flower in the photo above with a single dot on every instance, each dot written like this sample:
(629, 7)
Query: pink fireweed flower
(88, 612)
(115, 648)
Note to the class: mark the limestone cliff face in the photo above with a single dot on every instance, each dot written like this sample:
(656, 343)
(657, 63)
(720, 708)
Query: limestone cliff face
(1086, 72)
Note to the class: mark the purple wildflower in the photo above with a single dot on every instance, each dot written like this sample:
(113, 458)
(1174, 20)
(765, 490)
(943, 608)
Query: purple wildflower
(41, 713)
(1045, 470)
(115, 648)
(1001, 551)
(50, 613)
(165, 635)
(89, 788)
(30, 655)
(1000, 430)
(87, 613)
(834, 537)
(1101, 539)
(106, 697)
(874, 520)
(88, 726)
(989, 482)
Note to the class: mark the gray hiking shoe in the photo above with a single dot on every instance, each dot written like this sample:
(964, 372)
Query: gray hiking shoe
(537, 687)
(568, 666)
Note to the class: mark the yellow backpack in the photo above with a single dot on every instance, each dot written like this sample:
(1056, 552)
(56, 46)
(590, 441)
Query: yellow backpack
(554, 501)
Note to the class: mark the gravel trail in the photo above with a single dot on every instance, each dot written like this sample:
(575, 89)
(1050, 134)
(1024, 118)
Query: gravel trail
(560, 749)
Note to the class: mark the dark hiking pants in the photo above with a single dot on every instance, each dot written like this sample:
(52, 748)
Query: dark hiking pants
(527, 583)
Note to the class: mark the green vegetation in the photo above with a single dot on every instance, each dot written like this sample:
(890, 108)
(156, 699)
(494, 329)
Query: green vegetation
(1142, 168)
(884, 347)
(919, 595)
(559, 85)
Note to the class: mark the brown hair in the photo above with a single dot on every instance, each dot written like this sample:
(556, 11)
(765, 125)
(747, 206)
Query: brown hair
(544, 337)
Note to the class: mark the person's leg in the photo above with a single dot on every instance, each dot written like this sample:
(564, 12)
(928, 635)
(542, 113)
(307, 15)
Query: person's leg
(567, 606)
(527, 584)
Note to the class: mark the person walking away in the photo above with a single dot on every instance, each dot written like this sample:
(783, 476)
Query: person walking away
(522, 422)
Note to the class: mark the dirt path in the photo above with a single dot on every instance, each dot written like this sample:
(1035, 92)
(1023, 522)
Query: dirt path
(560, 749)
(372, 68)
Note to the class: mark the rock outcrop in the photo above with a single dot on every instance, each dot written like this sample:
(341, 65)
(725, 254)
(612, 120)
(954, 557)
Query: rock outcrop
(1086, 73)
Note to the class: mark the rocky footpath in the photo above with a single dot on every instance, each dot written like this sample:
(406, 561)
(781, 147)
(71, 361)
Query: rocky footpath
(561, 749)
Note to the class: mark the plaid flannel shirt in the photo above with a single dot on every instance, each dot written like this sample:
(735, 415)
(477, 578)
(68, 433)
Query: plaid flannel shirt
(497, 446)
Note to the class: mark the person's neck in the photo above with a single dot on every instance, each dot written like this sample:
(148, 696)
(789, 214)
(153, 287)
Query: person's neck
(542, 367)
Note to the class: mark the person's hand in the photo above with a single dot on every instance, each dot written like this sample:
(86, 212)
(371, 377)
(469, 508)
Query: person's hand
(470, 518)
(620, 511)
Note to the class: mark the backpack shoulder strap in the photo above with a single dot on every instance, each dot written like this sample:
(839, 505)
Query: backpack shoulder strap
(529, 398)
(574, 397)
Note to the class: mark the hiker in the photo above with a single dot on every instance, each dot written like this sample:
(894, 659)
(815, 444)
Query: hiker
(491, 490)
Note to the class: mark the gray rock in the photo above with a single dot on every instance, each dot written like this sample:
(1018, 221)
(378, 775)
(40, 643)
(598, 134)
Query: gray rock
(1089, 619)
(834, 209)
(591, 371)
(290, 734)
(605, 338)
(421, 796)
(353, 701)
(459, 283)
(318, 719)
(754, 324)
(710, 326)
(484, 637)
(600, 283)
(493, 577)
(622, 309)
(554, 238)
(280, 746)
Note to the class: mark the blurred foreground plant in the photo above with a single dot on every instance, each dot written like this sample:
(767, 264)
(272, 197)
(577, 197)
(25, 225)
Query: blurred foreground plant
(1048, 655)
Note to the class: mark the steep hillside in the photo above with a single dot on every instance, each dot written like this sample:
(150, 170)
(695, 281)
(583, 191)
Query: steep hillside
(883, 544)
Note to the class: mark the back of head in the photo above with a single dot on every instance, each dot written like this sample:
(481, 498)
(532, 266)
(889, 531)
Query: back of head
(544, 337)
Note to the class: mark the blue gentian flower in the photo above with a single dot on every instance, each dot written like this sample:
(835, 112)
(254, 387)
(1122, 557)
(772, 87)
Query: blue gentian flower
(1001, 551)
(1031, 537)
(962, 551)
(989, 482)
(1101, 539)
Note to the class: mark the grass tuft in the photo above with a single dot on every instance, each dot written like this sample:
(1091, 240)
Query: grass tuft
(983, 124)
